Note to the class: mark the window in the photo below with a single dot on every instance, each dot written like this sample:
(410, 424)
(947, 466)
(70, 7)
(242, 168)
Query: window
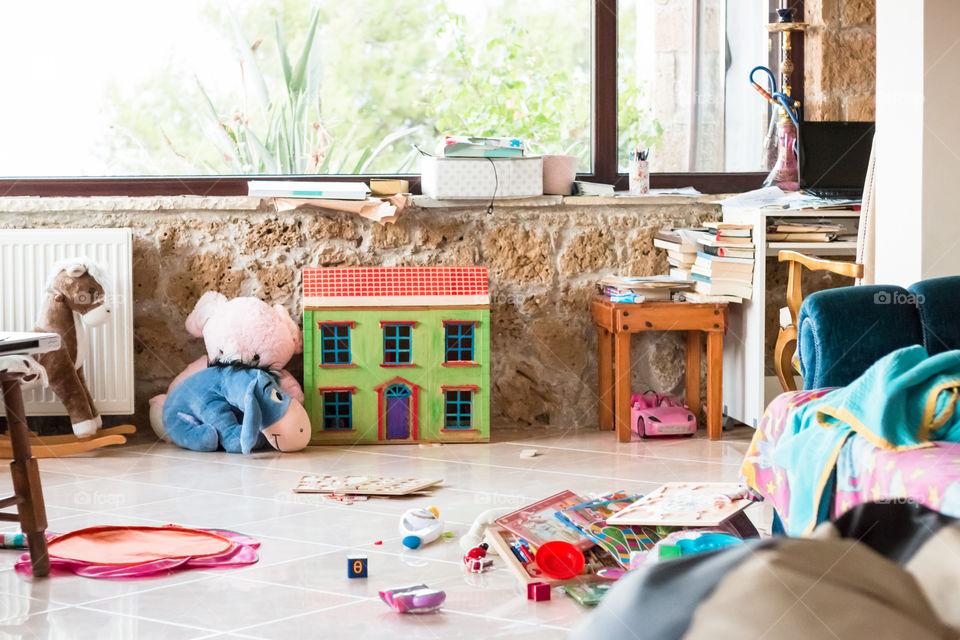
(214, 91)
(194, 95)
(397, 343)
(337, 410)
(458, 412)
(459, 341)
(682, 83)
(334, 344)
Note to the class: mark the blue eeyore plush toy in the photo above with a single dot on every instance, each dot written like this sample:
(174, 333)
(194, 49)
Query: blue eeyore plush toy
(235, 407)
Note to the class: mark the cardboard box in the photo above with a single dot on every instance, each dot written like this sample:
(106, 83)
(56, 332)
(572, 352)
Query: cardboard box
(481, 178)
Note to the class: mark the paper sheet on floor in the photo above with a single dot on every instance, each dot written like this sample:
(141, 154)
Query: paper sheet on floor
(385, 211)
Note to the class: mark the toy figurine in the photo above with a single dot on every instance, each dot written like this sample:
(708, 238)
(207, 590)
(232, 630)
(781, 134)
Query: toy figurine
(420, 526)
(475, 560)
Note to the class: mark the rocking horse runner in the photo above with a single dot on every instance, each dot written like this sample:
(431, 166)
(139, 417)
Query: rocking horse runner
(75, 299)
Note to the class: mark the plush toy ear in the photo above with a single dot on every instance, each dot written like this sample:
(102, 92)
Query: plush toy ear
(76, 269)
(206, 306)
(291, 327)
(252, 418)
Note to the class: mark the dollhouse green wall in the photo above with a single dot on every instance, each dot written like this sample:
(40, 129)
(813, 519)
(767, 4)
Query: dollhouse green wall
(427, 372)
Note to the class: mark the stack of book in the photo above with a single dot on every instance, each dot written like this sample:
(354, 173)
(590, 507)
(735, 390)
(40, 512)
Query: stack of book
(723, 268)
(681, 248)
(641, 289)
(798, 232)
(476, 147)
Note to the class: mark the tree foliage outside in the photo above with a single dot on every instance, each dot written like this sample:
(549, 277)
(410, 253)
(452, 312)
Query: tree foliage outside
(349, 88)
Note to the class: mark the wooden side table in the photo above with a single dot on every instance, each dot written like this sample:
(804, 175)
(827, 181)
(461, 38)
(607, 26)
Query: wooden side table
(617, 321)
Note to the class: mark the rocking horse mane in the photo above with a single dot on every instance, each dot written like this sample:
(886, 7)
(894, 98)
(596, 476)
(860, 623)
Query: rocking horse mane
(95, 270)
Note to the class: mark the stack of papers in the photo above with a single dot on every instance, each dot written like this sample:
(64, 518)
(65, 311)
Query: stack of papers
(641, 288)
(776, 198)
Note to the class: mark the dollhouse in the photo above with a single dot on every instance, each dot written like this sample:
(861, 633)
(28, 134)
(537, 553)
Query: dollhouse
(397, 354)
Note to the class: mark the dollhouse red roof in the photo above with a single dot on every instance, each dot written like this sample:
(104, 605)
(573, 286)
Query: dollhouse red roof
(391, 286)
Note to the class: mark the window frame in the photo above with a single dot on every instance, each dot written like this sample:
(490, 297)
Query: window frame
(459, 402)
(603, 141)
(397, 351)
(348, 391)
(348, 326)
(447, 362)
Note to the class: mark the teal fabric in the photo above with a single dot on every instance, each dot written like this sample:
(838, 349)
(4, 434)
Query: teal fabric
(841, 332)
(938, 301)
(903, 401)
(224, 406)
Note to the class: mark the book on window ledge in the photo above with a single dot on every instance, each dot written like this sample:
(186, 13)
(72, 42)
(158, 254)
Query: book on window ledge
(308, 189)
(583, 188)
(477, 147)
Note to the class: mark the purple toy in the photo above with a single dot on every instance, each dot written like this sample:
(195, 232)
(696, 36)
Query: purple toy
(417, 598)
(654, 414)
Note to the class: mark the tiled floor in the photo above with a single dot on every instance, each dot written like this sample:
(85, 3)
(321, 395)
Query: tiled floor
(299, 589)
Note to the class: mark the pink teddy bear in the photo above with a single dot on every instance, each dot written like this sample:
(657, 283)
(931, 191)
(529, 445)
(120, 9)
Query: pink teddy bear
(246, 330)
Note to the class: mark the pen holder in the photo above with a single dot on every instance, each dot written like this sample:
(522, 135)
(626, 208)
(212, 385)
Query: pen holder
(639, 177)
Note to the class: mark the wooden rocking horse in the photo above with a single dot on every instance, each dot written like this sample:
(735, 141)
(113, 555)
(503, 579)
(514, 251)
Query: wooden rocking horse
(75, 298)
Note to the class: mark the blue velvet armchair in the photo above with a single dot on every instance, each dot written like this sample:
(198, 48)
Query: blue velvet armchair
(841, 332)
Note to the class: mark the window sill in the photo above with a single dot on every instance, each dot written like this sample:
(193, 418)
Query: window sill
(397, 366)
(460, 363)
(426, 202)
(349, 365)
(470, 430)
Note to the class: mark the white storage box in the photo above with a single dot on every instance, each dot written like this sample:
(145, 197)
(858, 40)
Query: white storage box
(481, 178)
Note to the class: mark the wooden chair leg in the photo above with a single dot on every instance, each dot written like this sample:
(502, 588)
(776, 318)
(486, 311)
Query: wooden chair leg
(783, 357)
(26, 480)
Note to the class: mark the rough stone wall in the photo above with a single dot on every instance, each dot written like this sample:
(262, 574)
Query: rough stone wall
(543, 263)
(840, 60)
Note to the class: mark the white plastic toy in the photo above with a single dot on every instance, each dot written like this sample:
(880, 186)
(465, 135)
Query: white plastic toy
(420, 526)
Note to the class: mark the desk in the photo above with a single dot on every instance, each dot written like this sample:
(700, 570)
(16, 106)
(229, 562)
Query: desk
(617, 321)
(746, 358)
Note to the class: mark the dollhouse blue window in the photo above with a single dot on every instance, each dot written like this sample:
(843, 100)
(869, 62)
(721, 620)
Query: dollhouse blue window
(459, 341)
(337, 410)
(397, 340)
(334, 343)
(458, 410)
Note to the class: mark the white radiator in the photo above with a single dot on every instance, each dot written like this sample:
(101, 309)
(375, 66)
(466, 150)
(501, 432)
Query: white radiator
(26, 256)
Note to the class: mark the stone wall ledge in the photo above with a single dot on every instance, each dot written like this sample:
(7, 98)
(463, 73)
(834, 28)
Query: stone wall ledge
(655, 200)
(174, 204)
(122, 204)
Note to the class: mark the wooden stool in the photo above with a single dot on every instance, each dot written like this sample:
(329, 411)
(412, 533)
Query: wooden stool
(28, 496)
(617, 321)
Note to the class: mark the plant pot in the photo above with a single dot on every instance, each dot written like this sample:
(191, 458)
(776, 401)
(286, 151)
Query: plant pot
(559, 172)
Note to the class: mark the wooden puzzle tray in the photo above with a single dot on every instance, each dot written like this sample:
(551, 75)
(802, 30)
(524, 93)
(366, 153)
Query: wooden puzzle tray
(363, 485)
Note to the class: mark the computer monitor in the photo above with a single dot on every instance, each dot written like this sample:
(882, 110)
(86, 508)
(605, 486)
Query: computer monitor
(834, 157)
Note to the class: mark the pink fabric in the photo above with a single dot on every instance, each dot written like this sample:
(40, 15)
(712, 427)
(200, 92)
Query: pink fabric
(930, 476)
(241, 551)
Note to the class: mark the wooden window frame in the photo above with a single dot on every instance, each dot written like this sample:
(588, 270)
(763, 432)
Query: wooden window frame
(603, 142)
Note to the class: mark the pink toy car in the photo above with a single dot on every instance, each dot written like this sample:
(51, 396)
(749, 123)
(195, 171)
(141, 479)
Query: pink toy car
(654, 414)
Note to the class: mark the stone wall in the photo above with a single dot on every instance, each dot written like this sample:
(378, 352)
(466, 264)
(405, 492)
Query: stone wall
(543, 263)
(840, 60)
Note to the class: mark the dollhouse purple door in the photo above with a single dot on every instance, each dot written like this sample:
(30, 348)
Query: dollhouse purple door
(398, 412)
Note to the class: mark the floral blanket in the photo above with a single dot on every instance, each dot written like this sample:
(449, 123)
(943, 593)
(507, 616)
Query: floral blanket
(864, 473)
